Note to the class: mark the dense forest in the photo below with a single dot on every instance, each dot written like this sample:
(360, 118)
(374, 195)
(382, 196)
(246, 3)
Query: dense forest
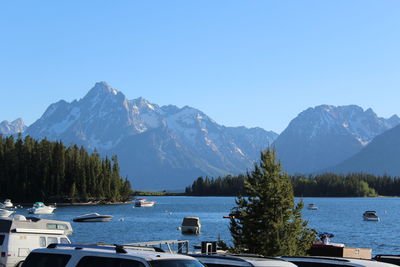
(324, 185)
(32, 170)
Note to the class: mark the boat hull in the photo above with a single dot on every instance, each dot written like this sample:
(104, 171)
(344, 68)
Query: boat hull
(5, 213)
(104, 218)
(371, 219)
(38, 211)
(195, 230)
(144, 204)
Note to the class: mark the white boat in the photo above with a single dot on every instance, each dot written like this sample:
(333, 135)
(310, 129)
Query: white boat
(370, 215)
(5, 213)
(92, 217)
(7, 204)
(40, 208)
(191, 225)
(142, 202)
(312, 206)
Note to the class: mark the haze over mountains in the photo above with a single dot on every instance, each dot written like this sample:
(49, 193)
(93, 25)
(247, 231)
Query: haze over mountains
(168, 147)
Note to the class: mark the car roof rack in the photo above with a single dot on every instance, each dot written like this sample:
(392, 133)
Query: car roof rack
(115, 247)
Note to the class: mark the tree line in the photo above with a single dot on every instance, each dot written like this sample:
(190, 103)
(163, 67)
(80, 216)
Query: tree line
(32, 170)
(323, 185)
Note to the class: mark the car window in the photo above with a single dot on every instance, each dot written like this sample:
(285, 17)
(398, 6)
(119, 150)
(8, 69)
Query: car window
(92, 261)
(317, 264)
(176, 263)
(46, 260)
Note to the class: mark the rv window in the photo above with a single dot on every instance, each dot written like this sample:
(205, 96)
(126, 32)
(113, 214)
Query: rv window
(51, 240)
(46, 260)
(51, 226)
(64, 240)
(62, 227)
(1, 239)
(42, 241)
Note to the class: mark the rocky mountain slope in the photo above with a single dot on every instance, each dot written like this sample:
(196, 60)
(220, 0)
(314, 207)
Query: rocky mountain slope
(323, 136)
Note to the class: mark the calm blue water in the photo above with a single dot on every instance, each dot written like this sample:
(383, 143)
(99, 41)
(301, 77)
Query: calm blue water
(341, 216)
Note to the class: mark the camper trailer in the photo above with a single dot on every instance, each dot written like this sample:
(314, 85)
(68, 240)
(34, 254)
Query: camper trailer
(20, 235)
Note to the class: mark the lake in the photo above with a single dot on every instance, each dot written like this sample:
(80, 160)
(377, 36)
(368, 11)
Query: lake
(340, 216)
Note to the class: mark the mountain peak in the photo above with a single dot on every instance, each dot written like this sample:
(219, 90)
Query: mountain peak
(101, 89)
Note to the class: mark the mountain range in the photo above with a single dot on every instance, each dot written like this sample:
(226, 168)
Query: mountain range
(324, 136)
(166, 147)
(158, 147)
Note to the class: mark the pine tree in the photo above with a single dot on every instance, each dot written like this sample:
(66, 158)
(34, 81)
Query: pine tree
(267, 221)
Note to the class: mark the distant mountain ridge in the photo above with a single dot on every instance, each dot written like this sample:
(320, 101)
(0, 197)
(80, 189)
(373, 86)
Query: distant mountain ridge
(323, 136)
(380, 157)
(158, 147)
(14, 127)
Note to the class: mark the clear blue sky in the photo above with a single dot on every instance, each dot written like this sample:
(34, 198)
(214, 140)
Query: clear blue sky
(252, 63)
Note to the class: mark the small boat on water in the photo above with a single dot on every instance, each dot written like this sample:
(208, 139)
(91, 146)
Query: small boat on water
(312, 206)
(191, 225)
(7, 204)
(142, 202)
(92, 217)
(41, 208)
(370, 215)
(5, 213)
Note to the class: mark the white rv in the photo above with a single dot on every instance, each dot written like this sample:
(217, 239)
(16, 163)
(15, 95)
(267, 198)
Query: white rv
(20, 235)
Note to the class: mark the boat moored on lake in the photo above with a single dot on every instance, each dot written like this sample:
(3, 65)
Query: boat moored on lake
(312, 206)
(93, 217)
(7, 204)
(41, 208)
(370, 215)
(191, 225)
(142, 202)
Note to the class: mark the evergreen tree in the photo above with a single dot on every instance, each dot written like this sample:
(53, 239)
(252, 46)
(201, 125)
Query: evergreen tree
(267, 221)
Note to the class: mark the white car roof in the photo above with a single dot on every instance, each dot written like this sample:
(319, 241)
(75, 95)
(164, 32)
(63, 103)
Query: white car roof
(339, 260)
(242, 260)
(93, 250)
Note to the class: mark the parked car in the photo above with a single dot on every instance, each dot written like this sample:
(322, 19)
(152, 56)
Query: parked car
(227, 260)
(78, 255)
(317, 261)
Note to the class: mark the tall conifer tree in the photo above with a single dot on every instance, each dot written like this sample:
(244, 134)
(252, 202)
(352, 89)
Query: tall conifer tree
(267, 221)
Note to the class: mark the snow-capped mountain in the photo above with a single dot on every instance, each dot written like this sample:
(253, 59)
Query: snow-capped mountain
(323, 136)
(14, 127)
(158, 147)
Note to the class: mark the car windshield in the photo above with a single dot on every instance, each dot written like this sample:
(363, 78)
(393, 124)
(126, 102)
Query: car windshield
(176, 263)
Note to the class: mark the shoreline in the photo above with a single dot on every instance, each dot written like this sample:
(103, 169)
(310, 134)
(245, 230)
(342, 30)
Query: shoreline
(90, 203)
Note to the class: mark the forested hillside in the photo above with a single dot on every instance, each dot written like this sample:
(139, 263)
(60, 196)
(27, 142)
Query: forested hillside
(324, 185)
(33, 170)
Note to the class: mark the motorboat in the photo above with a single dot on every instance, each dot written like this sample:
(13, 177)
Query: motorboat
(7, 204)
(312, 206)
(191, 225)
(370, 215)
(142, 202)
(92, 217)
(5, 213)
(41, 208)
